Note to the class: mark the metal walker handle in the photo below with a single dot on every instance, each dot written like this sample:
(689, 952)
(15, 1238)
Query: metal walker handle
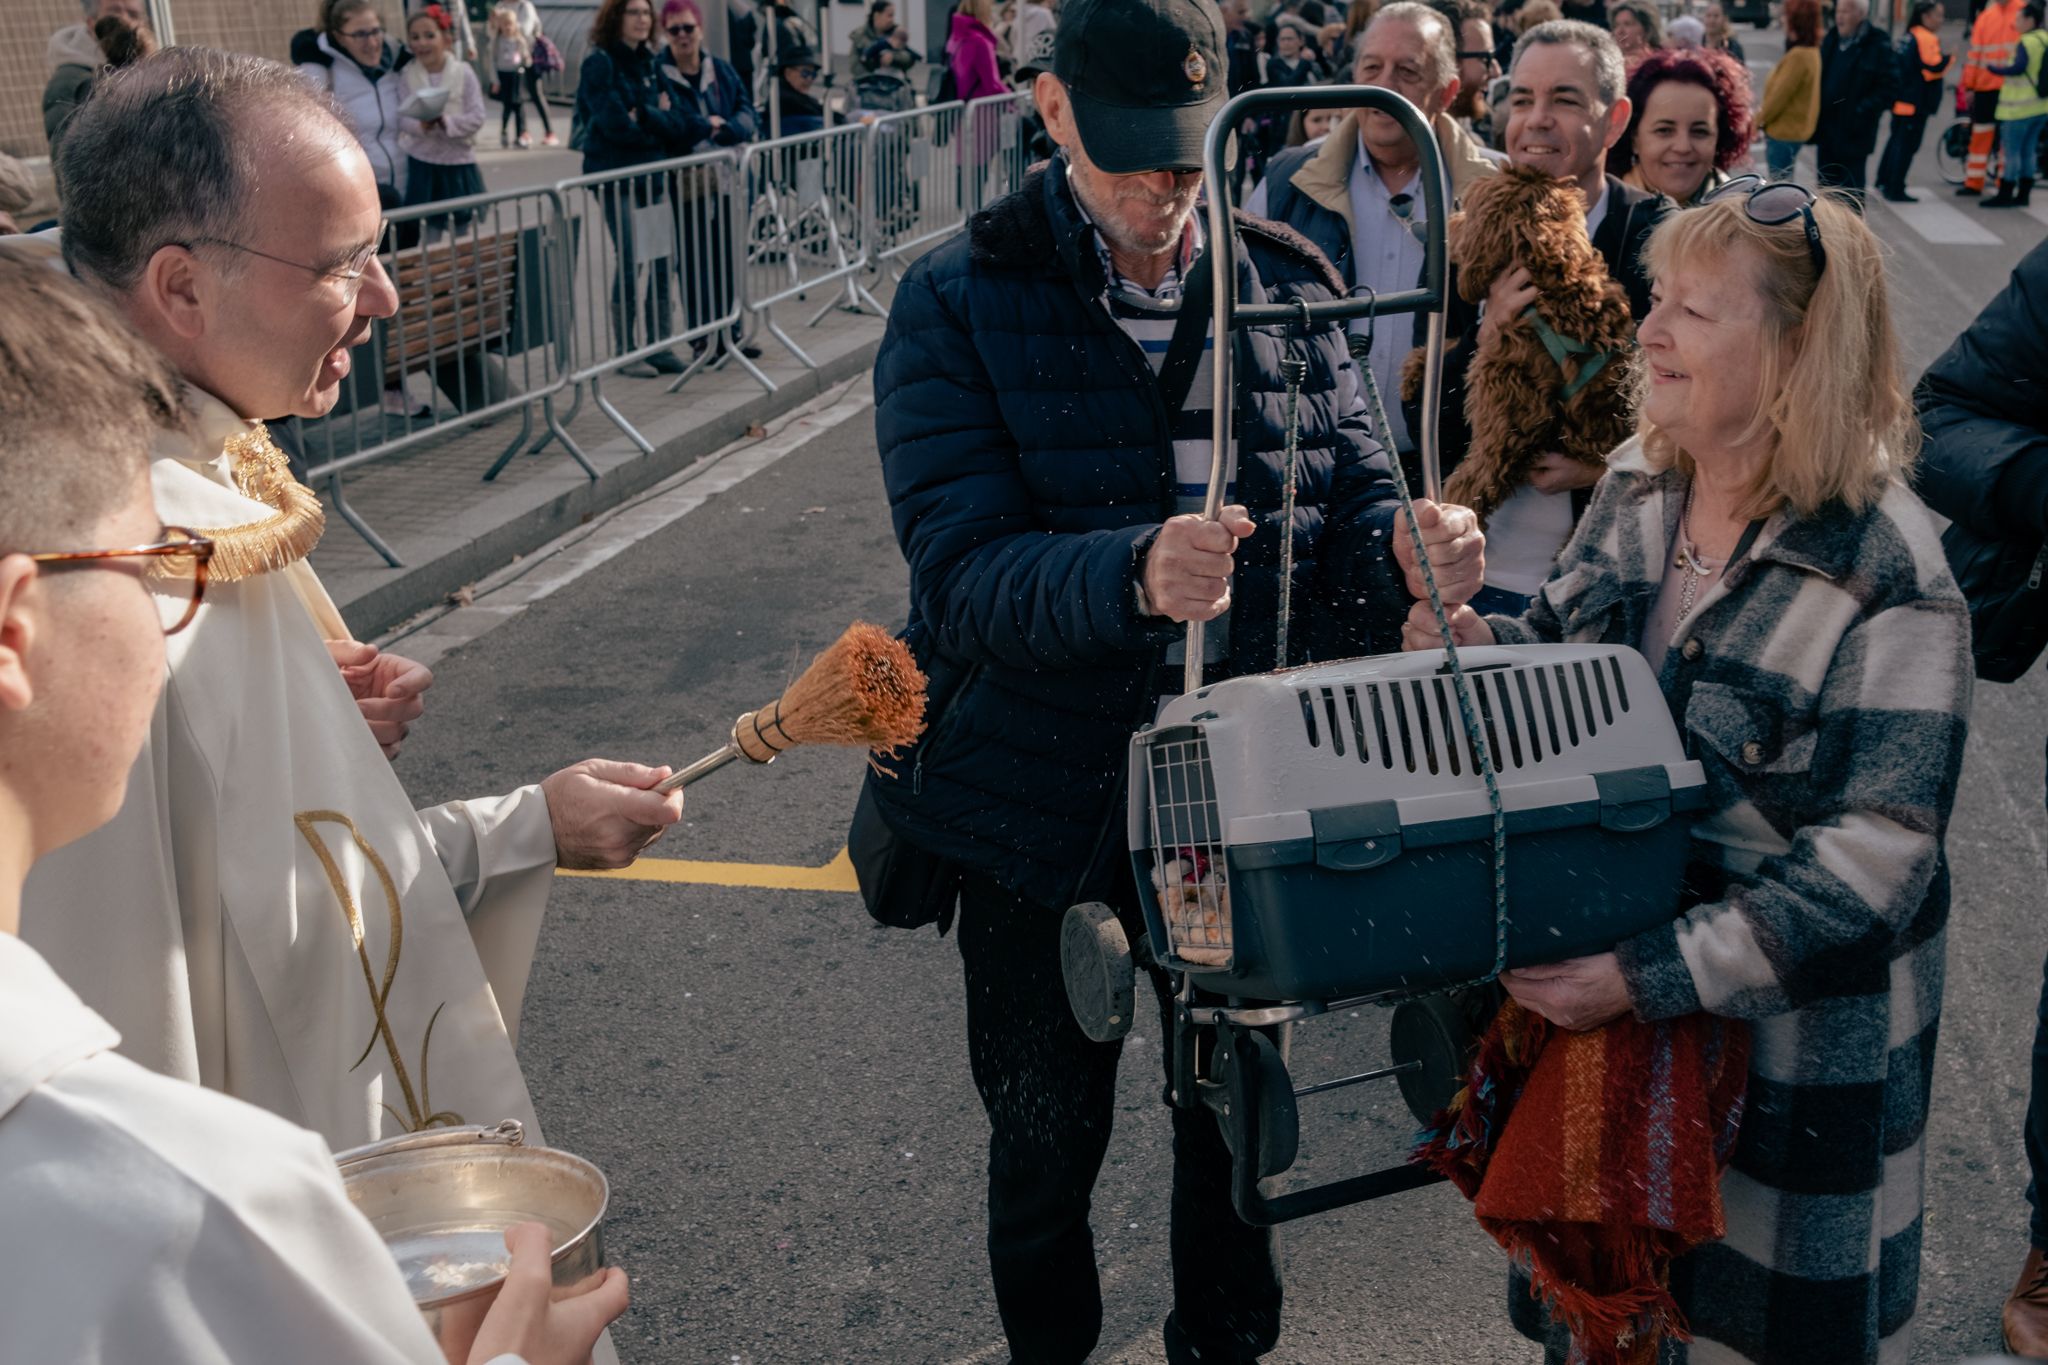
(1431, 298)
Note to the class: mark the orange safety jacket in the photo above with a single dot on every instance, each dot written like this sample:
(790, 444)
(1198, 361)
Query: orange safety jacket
(1932, 65)
(1992, 40)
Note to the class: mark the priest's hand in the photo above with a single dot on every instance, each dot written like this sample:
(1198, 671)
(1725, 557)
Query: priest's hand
(603, 813)
(387, 689)
(1455, 545)
(1578, 994)
(533, 1318)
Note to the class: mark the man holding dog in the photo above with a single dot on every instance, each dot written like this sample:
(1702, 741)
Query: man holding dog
(1045, 444)
(1357, 193)
(1567, 104)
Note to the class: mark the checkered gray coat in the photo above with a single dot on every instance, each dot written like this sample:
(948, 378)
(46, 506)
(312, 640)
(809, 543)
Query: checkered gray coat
(1826, 690)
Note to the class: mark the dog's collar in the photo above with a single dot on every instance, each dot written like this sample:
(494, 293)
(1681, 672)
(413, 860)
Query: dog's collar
(1563, 348)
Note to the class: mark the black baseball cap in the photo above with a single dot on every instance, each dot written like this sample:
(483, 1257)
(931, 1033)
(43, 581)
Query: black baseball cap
(1146, 78)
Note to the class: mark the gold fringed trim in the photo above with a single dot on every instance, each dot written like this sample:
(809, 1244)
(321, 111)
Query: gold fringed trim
(262, 472)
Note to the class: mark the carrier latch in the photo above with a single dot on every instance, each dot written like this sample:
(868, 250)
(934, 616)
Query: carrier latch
(1355, 838)
(1634, 799)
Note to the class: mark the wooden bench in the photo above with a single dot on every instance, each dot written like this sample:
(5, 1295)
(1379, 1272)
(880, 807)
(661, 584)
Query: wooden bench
(455, 300)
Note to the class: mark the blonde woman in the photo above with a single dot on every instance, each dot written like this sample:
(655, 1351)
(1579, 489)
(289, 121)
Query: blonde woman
(1758, 543)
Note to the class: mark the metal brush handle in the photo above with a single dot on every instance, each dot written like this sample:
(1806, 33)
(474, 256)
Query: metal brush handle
(712, 762)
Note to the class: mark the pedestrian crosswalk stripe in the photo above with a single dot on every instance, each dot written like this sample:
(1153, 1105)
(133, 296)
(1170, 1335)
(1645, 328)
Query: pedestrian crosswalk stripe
(1938, 221)
(2038, 211)
(836, 875)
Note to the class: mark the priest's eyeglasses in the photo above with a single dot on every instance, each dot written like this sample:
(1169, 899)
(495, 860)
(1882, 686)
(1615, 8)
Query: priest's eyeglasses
(349, 274)
(175, 574)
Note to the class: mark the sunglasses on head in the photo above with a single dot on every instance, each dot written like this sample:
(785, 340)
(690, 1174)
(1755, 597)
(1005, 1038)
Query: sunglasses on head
(678, 30)
(1773, 203)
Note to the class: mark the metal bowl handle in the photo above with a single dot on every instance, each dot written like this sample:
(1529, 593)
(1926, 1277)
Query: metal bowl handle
(509, 1133)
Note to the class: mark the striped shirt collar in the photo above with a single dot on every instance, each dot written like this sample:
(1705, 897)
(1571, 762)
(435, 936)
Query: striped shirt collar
(1170, 288)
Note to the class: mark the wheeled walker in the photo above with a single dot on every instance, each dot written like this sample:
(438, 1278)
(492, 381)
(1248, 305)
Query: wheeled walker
(1318, 838)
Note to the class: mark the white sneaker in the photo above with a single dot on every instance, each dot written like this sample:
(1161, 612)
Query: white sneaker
(525, 140)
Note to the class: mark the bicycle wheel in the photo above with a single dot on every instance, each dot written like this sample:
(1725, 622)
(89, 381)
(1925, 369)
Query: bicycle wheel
(1952, 151)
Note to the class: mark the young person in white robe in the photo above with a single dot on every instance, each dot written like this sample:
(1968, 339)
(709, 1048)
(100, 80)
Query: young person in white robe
(147, 1220)
(267, 914)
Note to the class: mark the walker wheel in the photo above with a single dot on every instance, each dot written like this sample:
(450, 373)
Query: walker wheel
(1441, 1032)
(1095, 959)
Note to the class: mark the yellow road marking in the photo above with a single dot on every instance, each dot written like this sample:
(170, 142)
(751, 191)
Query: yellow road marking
(836, 875)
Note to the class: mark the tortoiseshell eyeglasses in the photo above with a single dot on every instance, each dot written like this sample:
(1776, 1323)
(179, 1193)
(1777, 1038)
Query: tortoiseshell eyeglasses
(175, 574)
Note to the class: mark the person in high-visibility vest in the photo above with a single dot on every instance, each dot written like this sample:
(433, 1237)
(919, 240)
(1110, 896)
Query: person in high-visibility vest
(1921, 64)
(1992, 39)
(2022, 110)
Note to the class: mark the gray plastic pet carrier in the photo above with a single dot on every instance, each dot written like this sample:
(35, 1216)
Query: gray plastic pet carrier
(1325, 832)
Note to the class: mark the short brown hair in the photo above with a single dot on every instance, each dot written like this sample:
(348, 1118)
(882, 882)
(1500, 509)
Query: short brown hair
(611, 17)
(82, 398)
(1802, 23)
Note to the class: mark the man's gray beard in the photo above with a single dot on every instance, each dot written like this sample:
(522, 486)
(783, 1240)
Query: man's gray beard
(1113, 232)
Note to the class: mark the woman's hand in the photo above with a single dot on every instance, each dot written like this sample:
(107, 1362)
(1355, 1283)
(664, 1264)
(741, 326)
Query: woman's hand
(1578, 994)
(1420, 631)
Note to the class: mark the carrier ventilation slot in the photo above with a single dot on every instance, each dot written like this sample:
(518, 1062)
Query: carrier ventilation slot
(1527, 715)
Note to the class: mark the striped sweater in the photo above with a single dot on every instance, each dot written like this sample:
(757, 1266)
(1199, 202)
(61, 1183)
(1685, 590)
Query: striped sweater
(1826, 691)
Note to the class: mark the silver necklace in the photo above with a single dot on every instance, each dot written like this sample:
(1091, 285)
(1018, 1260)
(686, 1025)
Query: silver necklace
(1696, 570)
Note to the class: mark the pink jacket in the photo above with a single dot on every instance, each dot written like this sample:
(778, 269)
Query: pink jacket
(971, 52)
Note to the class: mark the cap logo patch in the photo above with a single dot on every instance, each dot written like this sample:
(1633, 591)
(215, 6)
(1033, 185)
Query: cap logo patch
(1194, 68)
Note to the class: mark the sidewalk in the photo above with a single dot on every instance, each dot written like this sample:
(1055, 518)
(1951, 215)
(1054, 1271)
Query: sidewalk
(451, 528)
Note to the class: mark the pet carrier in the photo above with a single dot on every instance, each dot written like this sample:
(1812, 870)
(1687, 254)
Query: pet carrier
(1394, 830)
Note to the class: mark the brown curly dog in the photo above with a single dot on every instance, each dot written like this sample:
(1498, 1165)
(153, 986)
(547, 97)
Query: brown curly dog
(1519, 399)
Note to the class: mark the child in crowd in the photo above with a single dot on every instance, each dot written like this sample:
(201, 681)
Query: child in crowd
(440, 151)
(511, 55)
(154, 1220)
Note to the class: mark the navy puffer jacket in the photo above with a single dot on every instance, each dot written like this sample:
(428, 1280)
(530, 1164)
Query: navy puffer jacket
(1025, 449)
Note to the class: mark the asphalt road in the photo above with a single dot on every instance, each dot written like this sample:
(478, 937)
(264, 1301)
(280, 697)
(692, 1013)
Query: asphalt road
(779, 1090)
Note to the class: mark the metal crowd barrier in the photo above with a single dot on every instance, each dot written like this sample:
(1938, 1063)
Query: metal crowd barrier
(481, 330)
(910, 204)
(655, 265)
(511, 298)
(994, 151)
(805, 228)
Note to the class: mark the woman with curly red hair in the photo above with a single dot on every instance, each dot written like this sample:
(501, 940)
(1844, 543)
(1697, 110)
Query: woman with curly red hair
(1690, 125)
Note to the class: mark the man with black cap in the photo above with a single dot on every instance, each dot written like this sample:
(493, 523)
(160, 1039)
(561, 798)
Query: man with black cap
(1044, 425)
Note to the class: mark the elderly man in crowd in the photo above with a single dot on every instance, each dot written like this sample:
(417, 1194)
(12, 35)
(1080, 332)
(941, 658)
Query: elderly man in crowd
(1043, 410)
(267, 914)
(1858, 76)
(1357, 194)
(1566, 106)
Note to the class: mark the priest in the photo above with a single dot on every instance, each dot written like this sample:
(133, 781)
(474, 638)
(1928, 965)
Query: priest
(268, 915)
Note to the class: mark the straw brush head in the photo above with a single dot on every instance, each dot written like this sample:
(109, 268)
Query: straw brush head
(864, 690)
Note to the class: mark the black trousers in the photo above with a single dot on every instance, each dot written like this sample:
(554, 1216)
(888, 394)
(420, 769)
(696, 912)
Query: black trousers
(1050, 1094)
(1844, 166)
(1899, 151)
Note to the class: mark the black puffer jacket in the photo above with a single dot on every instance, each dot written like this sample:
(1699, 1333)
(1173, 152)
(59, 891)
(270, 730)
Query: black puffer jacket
(1025, 448)
(1984, 408)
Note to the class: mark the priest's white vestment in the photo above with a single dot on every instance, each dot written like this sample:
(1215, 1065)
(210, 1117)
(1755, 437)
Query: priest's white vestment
(268, 915)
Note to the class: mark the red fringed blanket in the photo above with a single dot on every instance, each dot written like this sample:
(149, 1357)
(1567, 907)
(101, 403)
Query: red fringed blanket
(1596, 1158)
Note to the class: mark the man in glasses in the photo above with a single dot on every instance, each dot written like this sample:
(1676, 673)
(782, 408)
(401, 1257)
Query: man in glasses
(1044, 408)
(1358, 194)
(268, 915)
(150, 1220)
(1567, 104)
